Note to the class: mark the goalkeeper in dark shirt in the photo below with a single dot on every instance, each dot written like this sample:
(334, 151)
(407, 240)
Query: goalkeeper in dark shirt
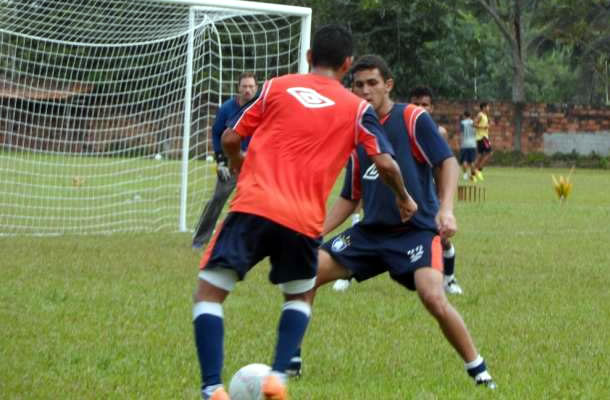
(225, 185)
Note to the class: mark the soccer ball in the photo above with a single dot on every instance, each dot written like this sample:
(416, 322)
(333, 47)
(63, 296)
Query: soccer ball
(158, 157)
(247, 381)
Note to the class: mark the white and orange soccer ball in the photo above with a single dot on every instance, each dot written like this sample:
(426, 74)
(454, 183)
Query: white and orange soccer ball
(247, 381)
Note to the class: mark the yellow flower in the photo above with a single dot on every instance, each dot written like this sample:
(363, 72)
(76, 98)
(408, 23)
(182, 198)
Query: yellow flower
(562, 186)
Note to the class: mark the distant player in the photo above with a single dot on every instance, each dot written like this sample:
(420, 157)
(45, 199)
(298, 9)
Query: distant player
(481, 126)
(246, 90)
(468, 146)
(409, 251)
(422, 96)
(303, 129)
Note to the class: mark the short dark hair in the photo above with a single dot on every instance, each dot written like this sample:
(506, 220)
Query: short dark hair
(483, 105)
(246, 74)
(332, 44)
(372, 61)
(420, 91)
(467, 114)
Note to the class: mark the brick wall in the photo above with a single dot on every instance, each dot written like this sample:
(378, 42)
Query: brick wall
(538, 119)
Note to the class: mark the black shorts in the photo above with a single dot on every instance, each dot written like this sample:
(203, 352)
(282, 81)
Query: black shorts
(242, 240)
(367, 252)
(483, 146)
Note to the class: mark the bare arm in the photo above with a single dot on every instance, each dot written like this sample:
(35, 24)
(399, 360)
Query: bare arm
(231, 145)
(391, 176)
(340, 210)
(477, 120)
(446, 177)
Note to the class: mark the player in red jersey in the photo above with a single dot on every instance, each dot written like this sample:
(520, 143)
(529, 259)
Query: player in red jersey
(303, 130)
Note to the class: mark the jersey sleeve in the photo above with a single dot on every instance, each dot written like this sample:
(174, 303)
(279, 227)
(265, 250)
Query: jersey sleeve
(248, 120)
(219, 126)
(233, 120)
(369, 132)
(426, 142)
(352, 187)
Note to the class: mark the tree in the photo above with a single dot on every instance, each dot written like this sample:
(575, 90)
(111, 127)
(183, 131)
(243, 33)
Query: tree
(510, 18)
(522, 50)
(585, 30)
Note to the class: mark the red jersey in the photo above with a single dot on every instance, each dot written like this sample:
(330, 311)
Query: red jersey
(303, 130)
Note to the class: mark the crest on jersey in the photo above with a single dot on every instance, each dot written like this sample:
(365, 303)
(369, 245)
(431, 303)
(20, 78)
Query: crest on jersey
(310, 98)
(371, 173)
(340, 243)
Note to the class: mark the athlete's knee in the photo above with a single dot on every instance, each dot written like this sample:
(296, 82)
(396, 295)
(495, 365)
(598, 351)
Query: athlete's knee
(215, 284)
(435, 301)
(328, 269)
(297, 289)
(306, 297)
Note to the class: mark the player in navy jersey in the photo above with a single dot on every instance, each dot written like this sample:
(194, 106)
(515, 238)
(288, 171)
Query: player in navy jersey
(422, 96)
(409, 251)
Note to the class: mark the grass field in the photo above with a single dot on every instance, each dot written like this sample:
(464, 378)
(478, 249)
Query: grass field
(55, 193)
(109, 317)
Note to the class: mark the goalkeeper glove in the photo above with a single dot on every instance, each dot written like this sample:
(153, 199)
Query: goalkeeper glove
(222, 168)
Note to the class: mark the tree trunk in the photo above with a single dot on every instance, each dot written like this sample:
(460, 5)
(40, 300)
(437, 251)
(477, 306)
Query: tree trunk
(517, 121)
(518, 74)
(518, 99)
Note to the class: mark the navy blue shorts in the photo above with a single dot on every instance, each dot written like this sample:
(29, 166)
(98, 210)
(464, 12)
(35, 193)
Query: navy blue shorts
(242, 240)
(368, 252)
(468, 154)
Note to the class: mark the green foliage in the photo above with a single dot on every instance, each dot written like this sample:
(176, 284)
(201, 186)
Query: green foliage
(551, 76)
(108, 317)
(451, 46)
(538, 159)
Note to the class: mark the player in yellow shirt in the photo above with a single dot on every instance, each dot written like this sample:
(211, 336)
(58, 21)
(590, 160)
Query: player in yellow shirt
(481, 127)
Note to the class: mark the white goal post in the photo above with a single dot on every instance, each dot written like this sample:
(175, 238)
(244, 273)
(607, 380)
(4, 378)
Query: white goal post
(107, 106)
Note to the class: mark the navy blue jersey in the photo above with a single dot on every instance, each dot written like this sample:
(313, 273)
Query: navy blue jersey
(418, 149)
(225, 116)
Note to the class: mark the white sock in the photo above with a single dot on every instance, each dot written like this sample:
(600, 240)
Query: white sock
(449, 252)
(207, 307)
(473, 363)
(209, 390)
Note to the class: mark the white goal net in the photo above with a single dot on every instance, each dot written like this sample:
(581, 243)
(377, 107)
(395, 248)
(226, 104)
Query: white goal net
(107, 105)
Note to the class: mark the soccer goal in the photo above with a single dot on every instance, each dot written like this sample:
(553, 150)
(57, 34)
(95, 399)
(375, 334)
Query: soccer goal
(107, 106)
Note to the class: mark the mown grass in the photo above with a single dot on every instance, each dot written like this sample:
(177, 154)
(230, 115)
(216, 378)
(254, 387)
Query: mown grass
(109, 317)
(60, 194)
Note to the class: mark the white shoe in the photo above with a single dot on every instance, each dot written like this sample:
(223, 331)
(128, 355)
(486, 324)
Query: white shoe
(341, 285)
(451, 285)
(466, 176)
